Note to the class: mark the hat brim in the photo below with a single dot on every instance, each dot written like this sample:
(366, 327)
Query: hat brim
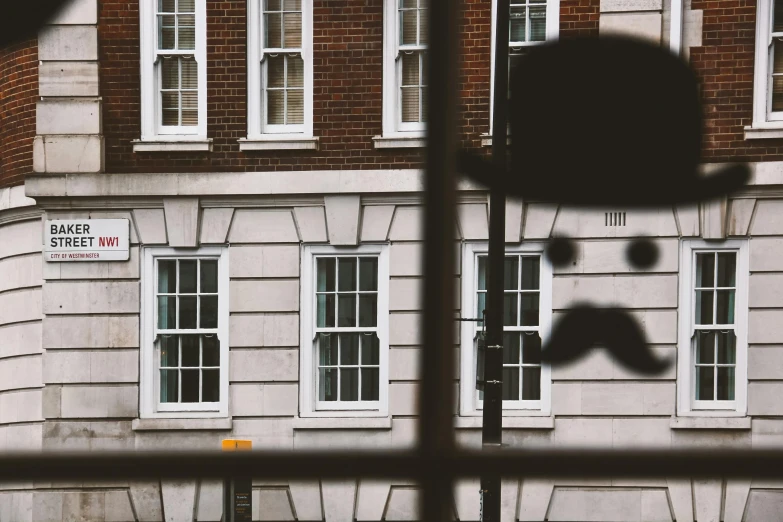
(723, 182)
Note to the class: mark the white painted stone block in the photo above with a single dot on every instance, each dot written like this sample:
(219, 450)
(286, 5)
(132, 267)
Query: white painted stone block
(118, 507)
(539, 220)
(566, 398)
(264, 296)
(466, 499)
(764, 326)
(24, 237)
(473, 221)
(535, 497)
(68, 78)
(266, 434)
(68, 153)
(371, 499)
(96, 270)
(763, 398)
(81, 12)
(632, 291)
(713, 219)
(151, 223)
(247, 400)
(20, 305)
(514, 212)
(264, 330)
(20, 272)
(264, 365)
(599, 366)
(376, 220)
(100, 401)
(688, 218)
(338, 499)
(765, 290)
(707, 499)
(210, 501)
(68, 116)
(641, 433)
(67, 43)
(603, 505)
(610, 257)
(638, 25)
(147, 501)
(404, 329)
(403, 398)
(764, 505)
(583, 432)
(407, 224)
(91, 332)
(281, 399)
(736, 499)
(263, 226)
(768, 220)
(681, 496)
(740, 213)
(20, 372)
(20, 437)
(766, 254)
(181, 221)
(21, 406)
(20, 339)
(87, 505)
(403, 504)
(179, 499)
(311, 223)
(190, 440)
(404, 364)
(264, 261)
(717, 439)
(342, 219)
(48, 505)
(214, 225)
(66, 367)
(306, 496)
(405, 294)
(614, 6)
(272, 504)
(346, 440)
(281, 330)
(579, 222)
(66, 297)
(406, 259)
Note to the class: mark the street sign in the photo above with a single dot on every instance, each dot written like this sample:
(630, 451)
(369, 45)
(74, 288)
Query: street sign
(86, 240)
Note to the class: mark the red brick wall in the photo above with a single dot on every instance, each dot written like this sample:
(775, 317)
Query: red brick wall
(348, 96)
(19, 74)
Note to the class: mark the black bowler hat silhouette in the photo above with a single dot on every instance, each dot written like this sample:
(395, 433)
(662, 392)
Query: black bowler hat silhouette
(605, 121)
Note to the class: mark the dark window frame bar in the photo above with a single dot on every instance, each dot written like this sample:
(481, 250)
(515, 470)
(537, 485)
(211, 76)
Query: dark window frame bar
(435, 463)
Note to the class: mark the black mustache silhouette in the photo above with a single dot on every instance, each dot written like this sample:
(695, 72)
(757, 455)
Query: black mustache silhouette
(586, 325)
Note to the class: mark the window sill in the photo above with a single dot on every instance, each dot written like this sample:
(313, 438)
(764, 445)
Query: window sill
(342, 423)
(181, 424)
(517, 422)
(278, 142)
(710, 423)
(400, 141)
(486, 140)
(760, 133)
(178, 145)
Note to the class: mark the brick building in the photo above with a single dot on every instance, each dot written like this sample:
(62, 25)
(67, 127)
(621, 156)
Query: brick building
(267, 155)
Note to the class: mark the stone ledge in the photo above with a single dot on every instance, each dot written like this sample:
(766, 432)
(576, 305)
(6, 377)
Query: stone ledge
(181, 424)
(278, 143)
(760, 133)
(342, 423)
(710, 423)
(516, 422)
(163, 145)
(399, 142)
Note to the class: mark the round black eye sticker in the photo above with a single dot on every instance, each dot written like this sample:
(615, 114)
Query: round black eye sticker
(561, 251)
(642, 253)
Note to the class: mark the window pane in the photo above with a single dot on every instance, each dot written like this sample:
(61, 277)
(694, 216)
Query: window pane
(189, 109)
(187, 6)
(704, 383)
(187, 277)
(210, 385)
(170, 101)
(273, 32)
(170, 73)
(349, 384)
(725, 308)
(166, 6)
(327, 349)
(210, 346)
(272, 5)
(705, 270)
(529, 309)
(726, 384)
(537, 24)
(166, 34)
(187, 312)
(325, 310)
(531, 384)
(292, 5)
(170, 117)
(482, 273)
(511, 348)
(167, 276)
(295, 111)
(187, 33)
(209, 311)
(368, 310)
(169, 386)
(327, 384)
(704, 306)
(370, 349)
(510, 384)
(511, 273)
(408, 23)
(368, 274)
(510, 309)
(705, 347)
(169, 351)
(189, 117)
(481, 306)
(292, 29)
(190, 385)
(346, 310)
(531, 348)
(424, 26)
(190, 350)
(777, 86)
(370, 384)
(410, 69)
(346, 274)
(517, 24)
(349, 348)
(167, 312)
(531, 267)
(727, 268)
(295, 71)
(325, 274)
(209, 276)
(727, 347)
(189, 75)
(410, 104)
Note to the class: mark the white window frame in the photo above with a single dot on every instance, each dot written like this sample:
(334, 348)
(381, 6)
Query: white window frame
(552, 33)
(393, 126)
(149, 360)
(151, 128)
(469, 402)
(308, 404)
(763, 117)
(687, 405)
(256, 129)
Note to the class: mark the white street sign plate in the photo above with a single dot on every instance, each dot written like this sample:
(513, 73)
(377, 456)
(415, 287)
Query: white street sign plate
(86, 240)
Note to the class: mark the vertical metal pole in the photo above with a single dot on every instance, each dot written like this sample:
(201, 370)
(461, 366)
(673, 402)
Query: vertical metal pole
(436, 435)
(491, 436)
